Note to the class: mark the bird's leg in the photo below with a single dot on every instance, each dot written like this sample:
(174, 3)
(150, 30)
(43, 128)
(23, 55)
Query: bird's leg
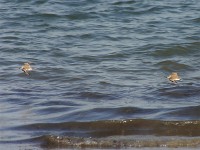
(26, 72)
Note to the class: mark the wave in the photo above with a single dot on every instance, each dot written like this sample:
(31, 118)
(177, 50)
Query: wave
(116, 134)
(107, 128)
(50, 141)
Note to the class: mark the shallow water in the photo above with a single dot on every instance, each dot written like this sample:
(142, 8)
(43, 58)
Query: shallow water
(98, 62)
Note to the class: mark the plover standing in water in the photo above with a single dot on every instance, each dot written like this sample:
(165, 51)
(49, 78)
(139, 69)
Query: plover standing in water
(173, 77)
(26, 67)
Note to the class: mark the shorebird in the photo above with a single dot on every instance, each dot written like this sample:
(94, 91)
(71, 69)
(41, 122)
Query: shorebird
(173, 77)
(26, 67)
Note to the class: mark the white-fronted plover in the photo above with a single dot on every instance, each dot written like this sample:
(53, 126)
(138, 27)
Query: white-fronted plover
(174, 77)
(26, 68)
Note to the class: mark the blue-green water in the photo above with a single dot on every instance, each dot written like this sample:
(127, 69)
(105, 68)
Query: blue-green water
(97, 61)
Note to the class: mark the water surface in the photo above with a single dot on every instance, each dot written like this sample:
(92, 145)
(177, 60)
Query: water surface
(97, 63)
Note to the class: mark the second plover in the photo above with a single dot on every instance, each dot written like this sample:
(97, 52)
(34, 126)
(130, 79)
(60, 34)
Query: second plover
(173, 77)
(26, 68)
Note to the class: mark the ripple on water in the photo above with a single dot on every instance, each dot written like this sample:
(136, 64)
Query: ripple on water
(176, 50)
(98, 60)
(185, 113)
(184, 91)
(171, 65)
